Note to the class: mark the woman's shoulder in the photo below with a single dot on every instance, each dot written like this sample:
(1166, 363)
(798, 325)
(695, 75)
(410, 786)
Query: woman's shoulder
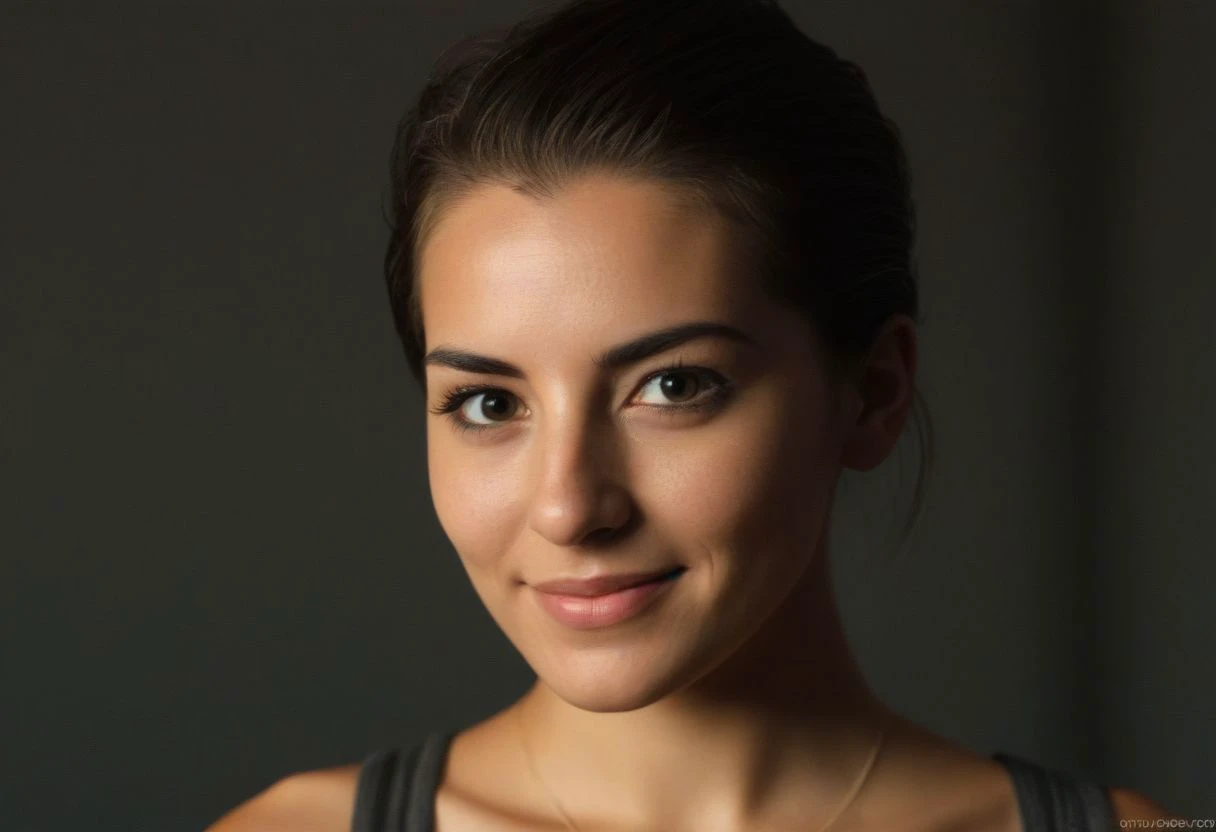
(957, 788)
(1050, 790)
(321, 800)
(1133, 805)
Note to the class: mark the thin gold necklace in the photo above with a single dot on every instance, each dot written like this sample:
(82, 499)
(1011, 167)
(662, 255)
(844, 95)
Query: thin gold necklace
(848, 799)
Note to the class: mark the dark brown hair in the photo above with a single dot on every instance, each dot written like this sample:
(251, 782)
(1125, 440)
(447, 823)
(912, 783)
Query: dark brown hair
(726, 100)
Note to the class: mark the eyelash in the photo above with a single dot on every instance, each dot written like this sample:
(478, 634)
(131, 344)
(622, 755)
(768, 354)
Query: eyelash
(719, 390)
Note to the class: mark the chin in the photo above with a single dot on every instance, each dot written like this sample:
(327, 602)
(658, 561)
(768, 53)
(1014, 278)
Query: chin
(613, 679)
(608, 679)
(597, 697)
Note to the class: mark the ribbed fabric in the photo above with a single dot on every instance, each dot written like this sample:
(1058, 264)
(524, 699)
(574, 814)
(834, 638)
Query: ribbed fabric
(396, 792)
(396, 787)
(1052, 801)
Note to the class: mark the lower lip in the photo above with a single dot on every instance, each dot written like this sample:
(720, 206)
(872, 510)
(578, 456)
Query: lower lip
(589, 613)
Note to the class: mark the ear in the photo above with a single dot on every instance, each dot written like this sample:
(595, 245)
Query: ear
(879, 395)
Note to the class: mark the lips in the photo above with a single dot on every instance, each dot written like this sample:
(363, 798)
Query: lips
(606, 600)
(604, 584)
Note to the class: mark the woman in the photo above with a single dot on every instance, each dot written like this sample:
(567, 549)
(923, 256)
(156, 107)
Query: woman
(651, 264)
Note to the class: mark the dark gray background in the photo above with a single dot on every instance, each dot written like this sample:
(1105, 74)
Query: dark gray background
(220, 561)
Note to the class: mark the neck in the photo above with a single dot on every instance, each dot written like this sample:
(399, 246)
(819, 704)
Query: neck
(779, 730)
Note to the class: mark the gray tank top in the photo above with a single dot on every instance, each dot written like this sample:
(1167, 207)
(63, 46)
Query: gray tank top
(396, 792)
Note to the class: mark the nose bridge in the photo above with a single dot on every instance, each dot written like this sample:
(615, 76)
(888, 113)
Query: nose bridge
(576, 493)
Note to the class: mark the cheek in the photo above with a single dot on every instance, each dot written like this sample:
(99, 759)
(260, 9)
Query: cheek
(757, 480)
(476, 500)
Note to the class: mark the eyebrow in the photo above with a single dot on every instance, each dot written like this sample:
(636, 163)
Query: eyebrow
(617, 357)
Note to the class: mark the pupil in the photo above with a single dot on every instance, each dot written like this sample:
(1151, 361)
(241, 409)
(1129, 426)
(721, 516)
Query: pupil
(496, 406)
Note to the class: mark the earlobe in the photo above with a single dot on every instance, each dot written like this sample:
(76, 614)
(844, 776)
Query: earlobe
(857, 450)
(874, 435)
(877, 415)
(864, 448)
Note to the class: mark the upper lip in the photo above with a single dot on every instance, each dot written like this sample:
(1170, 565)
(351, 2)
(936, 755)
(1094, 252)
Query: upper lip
(601, 584)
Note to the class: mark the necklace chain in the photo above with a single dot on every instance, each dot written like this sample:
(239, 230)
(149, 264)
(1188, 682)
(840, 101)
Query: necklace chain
(858, 783)
(519, 717)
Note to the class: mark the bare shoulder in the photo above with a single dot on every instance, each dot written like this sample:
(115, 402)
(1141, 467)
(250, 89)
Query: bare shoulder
(1131, 805)
(931, 783)
(309, 801)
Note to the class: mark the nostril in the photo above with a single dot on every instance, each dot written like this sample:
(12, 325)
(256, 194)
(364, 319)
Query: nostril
(600, 536)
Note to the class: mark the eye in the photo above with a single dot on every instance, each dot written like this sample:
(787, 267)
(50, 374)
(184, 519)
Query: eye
(681, 389)
(477, 408)
(675, 386)
(487, 407)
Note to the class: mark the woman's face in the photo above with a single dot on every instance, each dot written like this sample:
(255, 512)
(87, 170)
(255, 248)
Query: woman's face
(556, 466)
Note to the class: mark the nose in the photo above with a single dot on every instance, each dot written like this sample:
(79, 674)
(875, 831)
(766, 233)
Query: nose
(578, 500)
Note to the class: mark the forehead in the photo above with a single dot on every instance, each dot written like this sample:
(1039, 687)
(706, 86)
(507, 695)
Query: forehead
(602, 258)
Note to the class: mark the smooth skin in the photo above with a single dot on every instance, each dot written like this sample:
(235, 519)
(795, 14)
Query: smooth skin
(734, 702)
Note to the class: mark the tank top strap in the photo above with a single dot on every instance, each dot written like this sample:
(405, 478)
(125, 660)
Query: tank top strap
(396, 787)
(1053, 801)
